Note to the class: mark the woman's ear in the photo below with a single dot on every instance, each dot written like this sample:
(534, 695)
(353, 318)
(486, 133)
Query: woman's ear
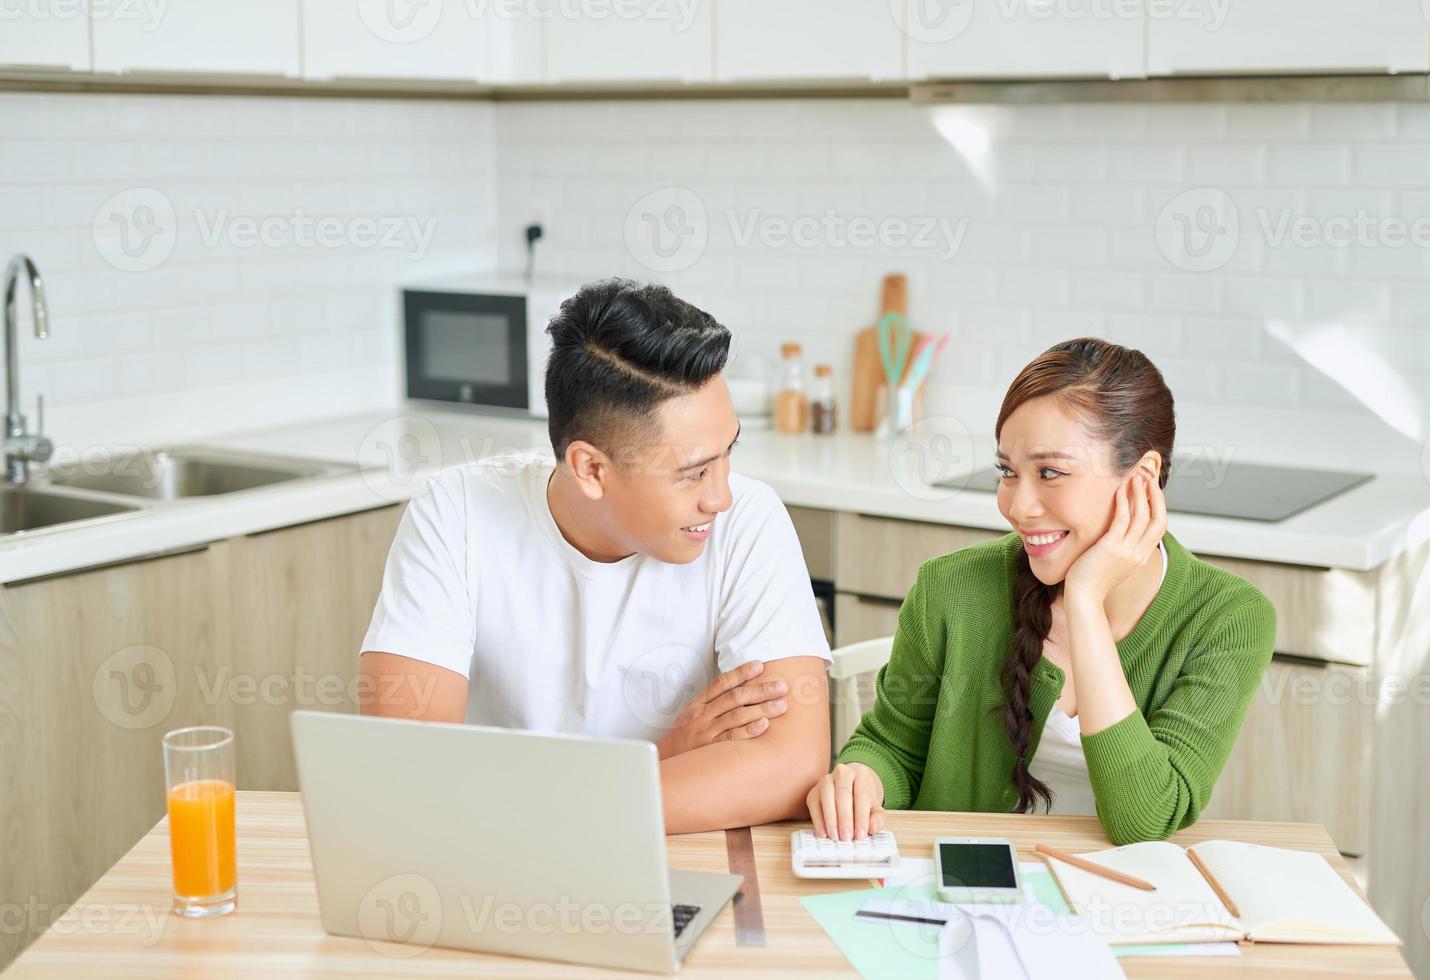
(1151, 462)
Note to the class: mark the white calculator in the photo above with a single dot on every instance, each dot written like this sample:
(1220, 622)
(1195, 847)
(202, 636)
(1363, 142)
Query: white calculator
(825, 857)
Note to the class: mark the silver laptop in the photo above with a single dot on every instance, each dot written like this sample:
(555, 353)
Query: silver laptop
(500, 841)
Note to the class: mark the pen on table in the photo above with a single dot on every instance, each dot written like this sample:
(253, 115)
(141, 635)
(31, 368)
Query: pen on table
(1094, 868)
(1216, 885)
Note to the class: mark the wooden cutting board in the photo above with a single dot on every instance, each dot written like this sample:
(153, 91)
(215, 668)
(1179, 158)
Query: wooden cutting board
(867, 385)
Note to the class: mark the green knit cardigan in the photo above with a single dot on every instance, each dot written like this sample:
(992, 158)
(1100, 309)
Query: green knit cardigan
(935, 735)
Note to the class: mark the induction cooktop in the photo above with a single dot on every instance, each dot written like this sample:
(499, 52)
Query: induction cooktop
(1250, 491)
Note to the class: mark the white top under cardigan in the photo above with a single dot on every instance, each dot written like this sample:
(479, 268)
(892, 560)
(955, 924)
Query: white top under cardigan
(1059, 761)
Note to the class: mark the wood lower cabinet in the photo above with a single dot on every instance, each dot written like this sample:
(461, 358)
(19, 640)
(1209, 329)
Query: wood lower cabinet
(856, 618)
(1303, 752)
(816, 532)
(1321, 613)
(864, 617)
(96, 665)
(94, 668)
(880, 556)
(303, 596)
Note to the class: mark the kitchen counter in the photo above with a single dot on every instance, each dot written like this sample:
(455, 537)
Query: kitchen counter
(1358, 530)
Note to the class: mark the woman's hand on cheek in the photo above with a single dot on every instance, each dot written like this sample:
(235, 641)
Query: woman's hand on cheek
(1139, 519)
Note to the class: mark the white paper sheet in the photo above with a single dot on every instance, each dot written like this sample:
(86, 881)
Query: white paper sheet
(980, 946)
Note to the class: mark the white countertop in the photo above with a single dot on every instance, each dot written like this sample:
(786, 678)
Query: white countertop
(1359, 529)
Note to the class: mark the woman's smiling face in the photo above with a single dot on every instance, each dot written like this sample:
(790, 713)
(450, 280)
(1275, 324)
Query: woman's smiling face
(1058, 485)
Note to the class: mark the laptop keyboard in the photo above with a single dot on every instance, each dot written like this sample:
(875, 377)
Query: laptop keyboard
(682, 915)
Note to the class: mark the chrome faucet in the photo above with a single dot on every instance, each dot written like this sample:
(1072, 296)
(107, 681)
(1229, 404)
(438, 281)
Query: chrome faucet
(22, 448)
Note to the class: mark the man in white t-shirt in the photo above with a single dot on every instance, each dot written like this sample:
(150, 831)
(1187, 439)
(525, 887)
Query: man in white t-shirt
(630, 586)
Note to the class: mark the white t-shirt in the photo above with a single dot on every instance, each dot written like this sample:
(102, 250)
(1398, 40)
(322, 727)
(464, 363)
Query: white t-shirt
(480, 580)
(1060, 762)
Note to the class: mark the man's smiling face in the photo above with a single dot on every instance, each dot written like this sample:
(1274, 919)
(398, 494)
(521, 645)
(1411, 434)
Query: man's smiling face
(666, 494)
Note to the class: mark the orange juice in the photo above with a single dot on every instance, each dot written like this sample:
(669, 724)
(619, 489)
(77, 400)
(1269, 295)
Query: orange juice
(201, 837)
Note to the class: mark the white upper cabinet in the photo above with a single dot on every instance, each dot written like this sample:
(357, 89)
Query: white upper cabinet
(1234, 36)
(44, 36)
(807, 39)
(1025, 38)
(219, 36)
(517, 50)
(628, 40)
(395, 39)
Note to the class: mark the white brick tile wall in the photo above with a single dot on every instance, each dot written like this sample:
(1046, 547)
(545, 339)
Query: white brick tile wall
(1302, 164)
(1258, 122)
(1064, 206)
(1225, 163)
(1353, 120)
(221, 314)
(1412, 121)
(1064, 218)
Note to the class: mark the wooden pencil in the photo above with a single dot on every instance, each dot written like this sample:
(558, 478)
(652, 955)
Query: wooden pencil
(1094, 868)
(1216, 885)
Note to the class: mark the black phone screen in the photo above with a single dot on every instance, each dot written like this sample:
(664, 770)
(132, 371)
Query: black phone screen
(976, 865)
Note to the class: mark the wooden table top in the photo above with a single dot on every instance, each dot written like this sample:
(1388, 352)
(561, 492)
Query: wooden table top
(123, 927)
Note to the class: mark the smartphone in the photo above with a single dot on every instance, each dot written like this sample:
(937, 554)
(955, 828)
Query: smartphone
(977, 869)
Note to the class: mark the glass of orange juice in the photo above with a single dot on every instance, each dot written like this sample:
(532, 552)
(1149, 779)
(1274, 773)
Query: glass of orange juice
(198, 772)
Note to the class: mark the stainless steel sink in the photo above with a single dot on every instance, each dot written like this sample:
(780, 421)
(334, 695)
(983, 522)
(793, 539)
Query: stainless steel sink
(25, 509)
(176, 473)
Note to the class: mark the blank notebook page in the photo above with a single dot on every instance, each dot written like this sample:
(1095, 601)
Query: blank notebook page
(1293, 896)
(1183, 908)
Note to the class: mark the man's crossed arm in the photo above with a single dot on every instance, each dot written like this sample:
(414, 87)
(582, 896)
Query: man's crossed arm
(732, 759)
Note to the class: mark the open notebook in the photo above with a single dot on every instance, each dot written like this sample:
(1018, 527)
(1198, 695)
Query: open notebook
(1284, 896)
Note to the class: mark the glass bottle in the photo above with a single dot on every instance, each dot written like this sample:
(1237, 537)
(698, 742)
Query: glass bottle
(823, 411)
(791, 404)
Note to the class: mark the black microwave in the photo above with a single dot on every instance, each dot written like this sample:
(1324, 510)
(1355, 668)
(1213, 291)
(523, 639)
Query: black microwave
(478, 341)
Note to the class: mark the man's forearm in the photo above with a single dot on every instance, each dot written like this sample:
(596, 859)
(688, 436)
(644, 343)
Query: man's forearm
(741, 783)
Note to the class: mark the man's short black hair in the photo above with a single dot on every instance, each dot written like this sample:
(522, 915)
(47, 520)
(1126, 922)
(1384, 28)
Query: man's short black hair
(618, 350)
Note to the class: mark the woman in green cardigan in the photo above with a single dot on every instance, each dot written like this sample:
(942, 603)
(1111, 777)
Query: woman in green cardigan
(1087, 661)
